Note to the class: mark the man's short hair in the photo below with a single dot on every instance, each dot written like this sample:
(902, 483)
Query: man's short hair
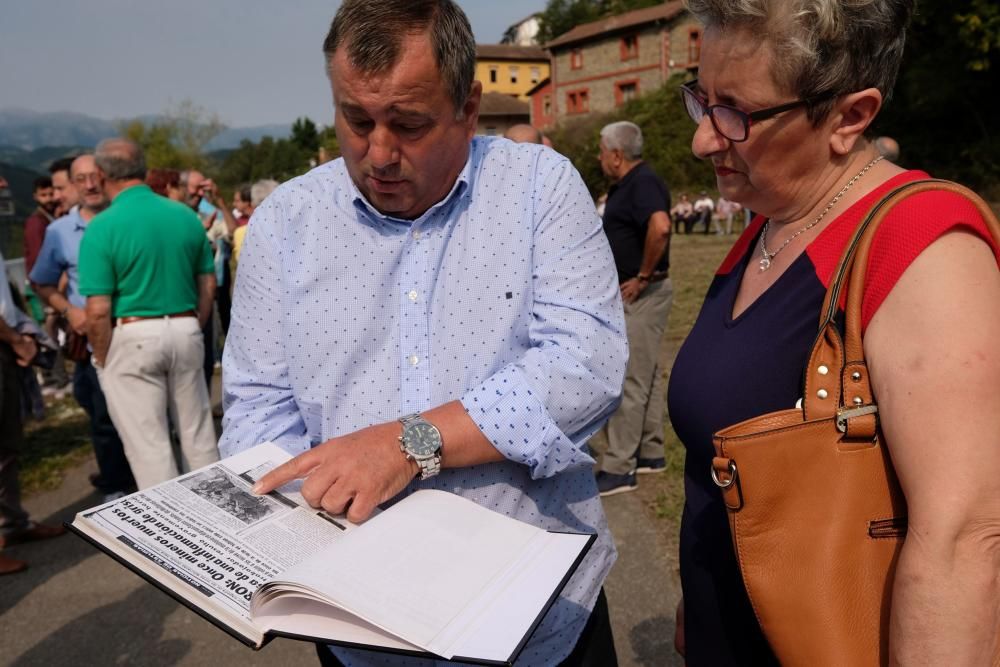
(372, 31)
(625, 137)
(62, 164)
(41, 183)
(524, 134)
(260, 190)
(120, 160)
(244, 191)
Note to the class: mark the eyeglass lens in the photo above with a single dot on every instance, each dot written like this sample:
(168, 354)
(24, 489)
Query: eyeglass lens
(729, 122)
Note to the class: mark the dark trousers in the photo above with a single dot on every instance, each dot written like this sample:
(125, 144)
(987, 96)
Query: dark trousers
(208, 335)
(223, 300)
(594, 648)
(12, 515)
(116, 475)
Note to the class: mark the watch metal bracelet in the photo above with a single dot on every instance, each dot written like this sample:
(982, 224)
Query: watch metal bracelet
(429, 465)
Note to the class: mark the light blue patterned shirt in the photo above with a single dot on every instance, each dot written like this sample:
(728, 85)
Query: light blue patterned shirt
(61, 252)
(503, 295)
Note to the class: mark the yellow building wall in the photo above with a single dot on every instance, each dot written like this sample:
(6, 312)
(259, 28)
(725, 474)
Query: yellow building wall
(527, 72)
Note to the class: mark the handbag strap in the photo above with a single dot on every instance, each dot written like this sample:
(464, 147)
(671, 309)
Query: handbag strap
(836, 380)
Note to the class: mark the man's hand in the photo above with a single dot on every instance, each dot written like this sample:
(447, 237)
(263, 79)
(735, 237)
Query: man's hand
(632, 289)
(352, 473)
(77, 318)
(25, 349)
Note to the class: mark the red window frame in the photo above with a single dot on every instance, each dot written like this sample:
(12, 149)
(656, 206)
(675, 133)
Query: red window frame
(619, 92)
(578, 101)
(576, 59)
(694, 46)
(628, 47)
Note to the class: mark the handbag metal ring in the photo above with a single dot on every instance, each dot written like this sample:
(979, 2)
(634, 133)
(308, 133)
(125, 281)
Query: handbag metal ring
(732, 476)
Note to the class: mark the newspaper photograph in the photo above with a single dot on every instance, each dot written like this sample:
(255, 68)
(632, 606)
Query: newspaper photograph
(210, 531)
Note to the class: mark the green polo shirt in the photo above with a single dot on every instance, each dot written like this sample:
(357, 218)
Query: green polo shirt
(145, 252)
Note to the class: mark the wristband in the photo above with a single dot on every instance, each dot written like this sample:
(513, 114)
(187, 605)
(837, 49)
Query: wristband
(643, 278)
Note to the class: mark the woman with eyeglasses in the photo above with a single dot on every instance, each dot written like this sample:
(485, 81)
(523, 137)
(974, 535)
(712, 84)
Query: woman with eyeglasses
(785, 96)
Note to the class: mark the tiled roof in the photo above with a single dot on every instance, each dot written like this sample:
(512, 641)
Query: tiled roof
(538, 86)
(510, 52)
(498, 104)
(586, 31)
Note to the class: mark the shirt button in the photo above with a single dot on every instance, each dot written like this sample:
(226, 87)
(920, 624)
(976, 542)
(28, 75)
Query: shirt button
(412, 294)
(417, 234)
(414, 360)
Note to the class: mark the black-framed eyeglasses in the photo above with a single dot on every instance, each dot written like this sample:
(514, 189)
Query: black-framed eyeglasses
(732, 123)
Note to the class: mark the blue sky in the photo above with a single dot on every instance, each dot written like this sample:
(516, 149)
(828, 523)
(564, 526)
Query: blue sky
(251, 62)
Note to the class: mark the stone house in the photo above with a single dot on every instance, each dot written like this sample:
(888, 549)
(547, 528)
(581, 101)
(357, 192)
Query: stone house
(599, 66)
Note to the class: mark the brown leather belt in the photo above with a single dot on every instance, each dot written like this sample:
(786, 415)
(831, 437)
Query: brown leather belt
(140, 318)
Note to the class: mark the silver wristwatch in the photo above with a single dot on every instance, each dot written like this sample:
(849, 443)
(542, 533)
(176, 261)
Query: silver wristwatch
(421, 442)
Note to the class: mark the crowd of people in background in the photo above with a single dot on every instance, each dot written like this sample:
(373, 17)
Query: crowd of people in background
(137, 412)
(720, 216)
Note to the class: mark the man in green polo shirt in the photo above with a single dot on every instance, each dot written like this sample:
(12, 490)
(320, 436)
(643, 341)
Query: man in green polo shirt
(146, 265)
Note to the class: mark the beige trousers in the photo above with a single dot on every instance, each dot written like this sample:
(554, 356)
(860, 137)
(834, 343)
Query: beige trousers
(154, 368)
(636, 428)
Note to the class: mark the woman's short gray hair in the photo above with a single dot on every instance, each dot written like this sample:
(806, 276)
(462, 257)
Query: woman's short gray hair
(623, 136)
(821, 46)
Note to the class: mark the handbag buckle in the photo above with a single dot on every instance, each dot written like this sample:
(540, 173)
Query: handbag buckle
(850, 413)
(725, 484)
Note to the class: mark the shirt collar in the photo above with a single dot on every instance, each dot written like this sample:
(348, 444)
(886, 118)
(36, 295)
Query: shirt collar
(131, 191)
(458, 190)
(74, 216)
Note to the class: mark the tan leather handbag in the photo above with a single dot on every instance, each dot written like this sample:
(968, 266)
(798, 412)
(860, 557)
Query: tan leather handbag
(815, 510)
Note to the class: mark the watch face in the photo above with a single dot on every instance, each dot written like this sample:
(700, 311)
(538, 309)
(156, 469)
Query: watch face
(422, 440)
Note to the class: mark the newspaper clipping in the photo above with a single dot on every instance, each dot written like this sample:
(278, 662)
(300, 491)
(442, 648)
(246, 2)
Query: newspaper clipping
(210, 531)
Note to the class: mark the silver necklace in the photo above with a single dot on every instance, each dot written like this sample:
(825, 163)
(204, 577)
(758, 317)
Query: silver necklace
(766, 257)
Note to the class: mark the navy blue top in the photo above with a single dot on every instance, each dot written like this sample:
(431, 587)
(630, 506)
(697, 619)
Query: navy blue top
(730, 370)
(631, 202)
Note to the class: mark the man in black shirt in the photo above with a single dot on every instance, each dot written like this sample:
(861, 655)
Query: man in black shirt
(637, 224)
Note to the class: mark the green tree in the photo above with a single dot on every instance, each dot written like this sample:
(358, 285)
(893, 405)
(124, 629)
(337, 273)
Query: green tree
(305, 135)
(177, 139)
(667, 132)
(944, 108)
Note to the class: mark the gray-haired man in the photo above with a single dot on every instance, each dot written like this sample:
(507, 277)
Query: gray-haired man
(146, 263)
(638, 228)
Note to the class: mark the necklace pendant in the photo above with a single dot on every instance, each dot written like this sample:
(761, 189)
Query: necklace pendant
(765, 263)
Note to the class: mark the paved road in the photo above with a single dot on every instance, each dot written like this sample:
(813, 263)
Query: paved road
(75, 606)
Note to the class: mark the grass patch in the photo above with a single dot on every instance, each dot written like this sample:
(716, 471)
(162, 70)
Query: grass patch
(694, 259)
(60, 442)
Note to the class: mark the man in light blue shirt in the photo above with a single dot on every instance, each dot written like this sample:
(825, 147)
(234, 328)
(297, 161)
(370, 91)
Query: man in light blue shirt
(456, 292)
(60, 253)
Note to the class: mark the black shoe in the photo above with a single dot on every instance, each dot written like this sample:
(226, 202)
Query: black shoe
(609, 484)
(651, 465)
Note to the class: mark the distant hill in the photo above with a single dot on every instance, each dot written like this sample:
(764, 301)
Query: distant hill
(230, 138)
(28, 131)
(38, 159)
